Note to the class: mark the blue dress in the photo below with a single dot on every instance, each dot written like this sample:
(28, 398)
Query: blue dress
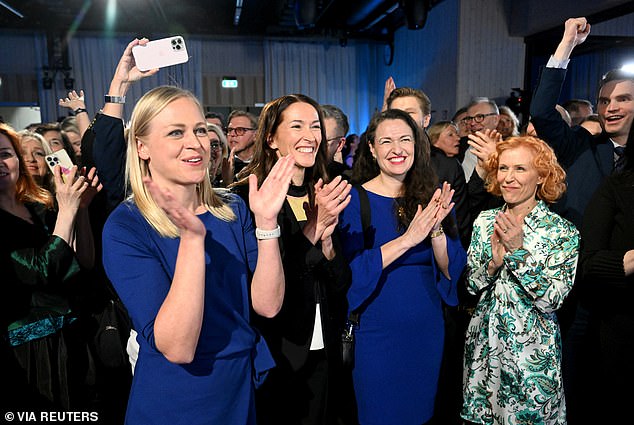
(218, 386)
(399, 341)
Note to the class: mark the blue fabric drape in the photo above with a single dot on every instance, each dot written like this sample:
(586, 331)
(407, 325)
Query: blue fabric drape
(329, 73)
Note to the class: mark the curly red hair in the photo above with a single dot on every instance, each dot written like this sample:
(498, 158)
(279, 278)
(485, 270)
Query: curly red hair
(545, 162)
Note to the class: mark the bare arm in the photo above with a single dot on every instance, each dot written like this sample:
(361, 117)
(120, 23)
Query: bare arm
(75, 102)
(179, 320)
(267, 285)
(576, 30)
(125, 74)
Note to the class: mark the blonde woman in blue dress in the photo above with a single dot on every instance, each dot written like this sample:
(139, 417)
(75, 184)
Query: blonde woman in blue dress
(522, 262)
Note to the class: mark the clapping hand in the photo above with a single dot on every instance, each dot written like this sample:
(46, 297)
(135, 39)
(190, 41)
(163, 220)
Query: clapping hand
(443, 197)
(509, 230)
(483, 143)
(330, 200)
(267, 201)
(184, 219)
(431, 217)
(508, 235)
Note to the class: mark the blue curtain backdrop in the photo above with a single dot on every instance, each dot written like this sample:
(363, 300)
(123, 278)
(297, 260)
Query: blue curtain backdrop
(327, 72)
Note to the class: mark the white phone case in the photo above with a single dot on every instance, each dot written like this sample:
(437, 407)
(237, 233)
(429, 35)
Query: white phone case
(60, 158)
(160, 53)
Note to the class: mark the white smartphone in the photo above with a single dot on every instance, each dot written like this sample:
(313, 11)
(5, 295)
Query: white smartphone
(62, 159)
(160, 53)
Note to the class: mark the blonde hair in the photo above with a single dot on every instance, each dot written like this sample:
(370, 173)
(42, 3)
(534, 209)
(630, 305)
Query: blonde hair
(146, 109)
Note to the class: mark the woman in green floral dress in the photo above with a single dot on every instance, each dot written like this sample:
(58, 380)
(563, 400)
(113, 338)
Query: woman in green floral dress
(522, 262)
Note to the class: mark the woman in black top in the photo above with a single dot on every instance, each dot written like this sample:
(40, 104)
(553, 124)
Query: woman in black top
(305, 336)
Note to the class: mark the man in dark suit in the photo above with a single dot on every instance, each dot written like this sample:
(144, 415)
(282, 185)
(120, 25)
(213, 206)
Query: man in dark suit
(587, 160)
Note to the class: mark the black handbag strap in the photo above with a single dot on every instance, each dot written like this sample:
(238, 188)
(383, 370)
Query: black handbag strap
(366, 217)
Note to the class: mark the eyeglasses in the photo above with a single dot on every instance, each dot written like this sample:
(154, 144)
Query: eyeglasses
(238, 130)
(477, 118)
(334, 139)
(215, 146)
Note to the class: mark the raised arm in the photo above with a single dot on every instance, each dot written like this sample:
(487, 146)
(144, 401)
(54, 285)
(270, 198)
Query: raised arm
(76, 103)
(547, 121)
(576, 31)
(109, 145)
(267, 285)
(125, 74)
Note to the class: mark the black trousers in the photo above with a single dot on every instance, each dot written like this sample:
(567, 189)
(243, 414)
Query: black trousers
(296, 397)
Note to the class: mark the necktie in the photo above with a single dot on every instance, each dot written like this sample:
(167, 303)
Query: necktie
(619, 158)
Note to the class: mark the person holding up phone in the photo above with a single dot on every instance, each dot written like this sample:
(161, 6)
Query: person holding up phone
(42, 252)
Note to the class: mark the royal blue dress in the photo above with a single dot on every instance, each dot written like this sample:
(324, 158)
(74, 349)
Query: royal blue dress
(399, 341)
(218, 386)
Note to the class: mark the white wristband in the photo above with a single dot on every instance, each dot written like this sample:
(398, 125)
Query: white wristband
(268, 234)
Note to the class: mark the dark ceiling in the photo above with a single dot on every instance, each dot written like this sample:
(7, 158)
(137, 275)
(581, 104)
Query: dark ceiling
(342, 19)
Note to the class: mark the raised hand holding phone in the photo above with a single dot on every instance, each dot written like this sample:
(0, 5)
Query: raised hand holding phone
(160, 53)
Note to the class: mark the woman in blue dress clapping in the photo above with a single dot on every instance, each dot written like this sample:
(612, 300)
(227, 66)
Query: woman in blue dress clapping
(404, 266)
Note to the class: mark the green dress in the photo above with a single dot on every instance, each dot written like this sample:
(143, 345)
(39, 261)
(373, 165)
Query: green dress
(39, 271)
(512, 361)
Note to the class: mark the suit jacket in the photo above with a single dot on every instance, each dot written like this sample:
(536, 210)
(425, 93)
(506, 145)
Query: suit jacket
(587, 159)
(449, 170)
(607, 234)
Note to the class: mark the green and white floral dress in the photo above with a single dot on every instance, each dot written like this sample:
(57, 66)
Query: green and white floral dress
(512, 361)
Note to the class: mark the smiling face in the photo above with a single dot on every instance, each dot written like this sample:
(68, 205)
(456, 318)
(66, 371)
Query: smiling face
(616, 108)
(489, 117)
(449, 141)
(518, 178)
(393, 148)
(412, 106)
(9, 166)
(34, 158)
(176, 145)
(298, 134)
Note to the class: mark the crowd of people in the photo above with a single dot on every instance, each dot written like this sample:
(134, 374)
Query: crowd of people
(481, 267)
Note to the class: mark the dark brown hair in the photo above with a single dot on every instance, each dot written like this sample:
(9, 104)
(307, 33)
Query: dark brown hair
(265, 156)
(420, 182)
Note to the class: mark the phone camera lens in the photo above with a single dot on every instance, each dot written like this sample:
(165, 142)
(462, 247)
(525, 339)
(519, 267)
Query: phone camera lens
(179, 41)
(52, 164)
(173, 42)
(178, 47)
